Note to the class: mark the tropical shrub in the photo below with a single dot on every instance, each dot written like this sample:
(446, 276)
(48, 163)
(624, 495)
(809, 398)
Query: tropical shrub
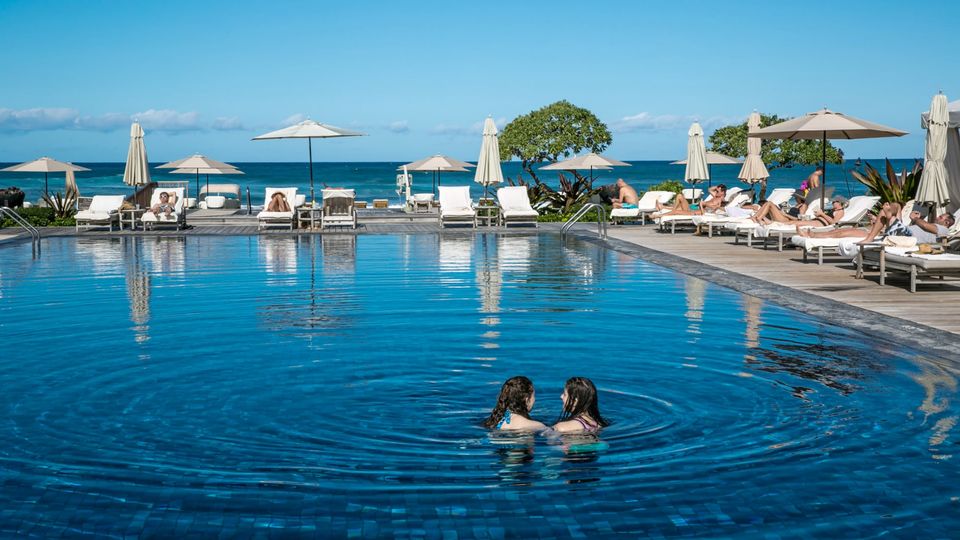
(63, 206)
(40, 217)
(668, 185)
(893, 187)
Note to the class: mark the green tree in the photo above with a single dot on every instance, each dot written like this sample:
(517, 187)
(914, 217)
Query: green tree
(556, 131)
(776, 153)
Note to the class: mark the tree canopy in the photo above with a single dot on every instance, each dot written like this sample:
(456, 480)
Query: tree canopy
(732, 141)
(556, 131)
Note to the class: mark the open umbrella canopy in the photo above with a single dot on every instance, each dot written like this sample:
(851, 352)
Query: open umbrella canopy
(196, 161)
(933, 188)
(488, 165)
(697, 167)
(309, 130)
(587, 161)
(714, 158)
(438, 163)
(753, 169)
(207, 171)
(137, 170)
(46, 166)
(825, 124)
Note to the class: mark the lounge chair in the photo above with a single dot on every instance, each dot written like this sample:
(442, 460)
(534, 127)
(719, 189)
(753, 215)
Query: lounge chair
(217, 196)
(645, 206)
(267, 218)
(515, 206)
(456, 206)
(177, 218)
(916, 265)
(338, 210)
(104, 210)
(856, 211)
(731, 221)
(753, 230)
(733, 198)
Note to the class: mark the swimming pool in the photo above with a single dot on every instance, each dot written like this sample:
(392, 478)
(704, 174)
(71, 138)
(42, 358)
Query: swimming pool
(333, 385)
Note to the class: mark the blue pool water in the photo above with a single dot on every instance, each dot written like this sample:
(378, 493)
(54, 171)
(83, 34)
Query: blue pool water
(333, 386)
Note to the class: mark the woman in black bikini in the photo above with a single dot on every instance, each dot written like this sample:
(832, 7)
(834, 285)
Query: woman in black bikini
(581, 412)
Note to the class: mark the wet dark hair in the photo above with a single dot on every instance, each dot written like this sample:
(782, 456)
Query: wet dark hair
(513, 397)
(722, 186)
(819, 168)
(581, 399)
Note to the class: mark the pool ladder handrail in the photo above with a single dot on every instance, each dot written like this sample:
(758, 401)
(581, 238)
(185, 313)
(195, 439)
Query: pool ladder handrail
(27, 226)
(601, 218)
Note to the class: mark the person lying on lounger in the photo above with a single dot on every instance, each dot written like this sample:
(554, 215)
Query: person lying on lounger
(820, 218)
(683, 208)
(888, 221)
(165, 205)
(278, 203)
(626, 195)
(770, 212)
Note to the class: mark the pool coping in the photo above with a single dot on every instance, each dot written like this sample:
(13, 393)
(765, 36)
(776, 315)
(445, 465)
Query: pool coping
(941, 343)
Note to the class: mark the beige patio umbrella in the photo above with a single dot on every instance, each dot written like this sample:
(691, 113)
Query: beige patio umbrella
(697, 167)
(309, 130)
(933, 184)
(438, 163)
(195, 164)
(589, 161)
(488, 165)
(825, 124)
(137, 171)
(714, 158)
(753, 169)
(46, 166)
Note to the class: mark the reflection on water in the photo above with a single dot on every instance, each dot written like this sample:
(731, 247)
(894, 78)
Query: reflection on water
(516, 458)
(167, 254)
(694, 290)
(138, 288)
(489, 281)
(939, 386)
(752, 309)
(837, 366)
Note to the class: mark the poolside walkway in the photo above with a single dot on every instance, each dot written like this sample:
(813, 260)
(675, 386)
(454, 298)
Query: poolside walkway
(935, 304)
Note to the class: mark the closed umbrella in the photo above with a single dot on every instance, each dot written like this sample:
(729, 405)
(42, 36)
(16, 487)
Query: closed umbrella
(825, 124)
(46, 166)
(697, 168)
(438, 163)
(589, 161)
(137, 171)
(309, 130)
(714, 158)
(195, 164)
(933, 184)
(753, 169)
(70, 185)
(488, 165)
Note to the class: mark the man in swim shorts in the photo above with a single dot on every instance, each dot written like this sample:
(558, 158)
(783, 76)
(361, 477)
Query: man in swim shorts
(626, 195)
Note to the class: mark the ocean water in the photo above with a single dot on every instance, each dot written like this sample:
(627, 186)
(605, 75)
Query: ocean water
(378, 179)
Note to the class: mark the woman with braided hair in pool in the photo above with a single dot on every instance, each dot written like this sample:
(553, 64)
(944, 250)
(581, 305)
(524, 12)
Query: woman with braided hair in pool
(512, 411)
(581, 410)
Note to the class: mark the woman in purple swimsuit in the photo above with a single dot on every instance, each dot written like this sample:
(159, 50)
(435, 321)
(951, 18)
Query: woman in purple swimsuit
(581, 412)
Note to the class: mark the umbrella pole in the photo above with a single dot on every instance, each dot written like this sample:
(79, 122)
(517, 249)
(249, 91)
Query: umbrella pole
(208, 184)
(709, 176)
(310, 151)
(823, 163)
(46, 190)
(198, 188)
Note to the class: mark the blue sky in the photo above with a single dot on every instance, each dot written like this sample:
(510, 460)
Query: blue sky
(420, 77)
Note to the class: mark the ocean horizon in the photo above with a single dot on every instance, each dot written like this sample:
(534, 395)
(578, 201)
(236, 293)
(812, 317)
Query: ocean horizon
(377, 179)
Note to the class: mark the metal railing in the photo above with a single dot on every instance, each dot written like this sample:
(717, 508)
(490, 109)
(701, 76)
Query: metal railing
(601, 219)
(19, 220)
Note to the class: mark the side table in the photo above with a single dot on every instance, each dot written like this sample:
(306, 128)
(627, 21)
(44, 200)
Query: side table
(488, 215)
(309, 217)
(131, 216)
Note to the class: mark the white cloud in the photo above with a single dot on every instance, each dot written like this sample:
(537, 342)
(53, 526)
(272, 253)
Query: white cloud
(400, 126)
(37, 119)
(227, 123)
(294, 119)
(104, 122)
(168, 120)
(474, 130)
(646, 121)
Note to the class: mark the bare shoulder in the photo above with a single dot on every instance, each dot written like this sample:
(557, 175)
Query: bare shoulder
(519, 423)
(568, 426)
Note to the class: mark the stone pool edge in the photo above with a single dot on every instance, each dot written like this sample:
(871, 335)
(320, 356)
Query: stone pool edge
(940, 343)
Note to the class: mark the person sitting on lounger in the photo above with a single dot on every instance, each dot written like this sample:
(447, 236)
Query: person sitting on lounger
(927, 232)
(581, 411)
(683, 208)
(512, 411)
(888, 221)
(823, 219)
(626, 195)
(166, 204)
(769, 212)
(278, 203)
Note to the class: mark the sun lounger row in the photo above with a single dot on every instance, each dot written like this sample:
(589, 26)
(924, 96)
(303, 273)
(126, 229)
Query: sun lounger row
(456, 206)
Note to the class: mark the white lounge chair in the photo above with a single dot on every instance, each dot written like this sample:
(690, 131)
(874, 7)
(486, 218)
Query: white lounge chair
(338, 209)
(732, 223)
(176, 219)
(267, 218)
(856, 211)
(217, 196)
(753, 230)
(515, 206)
(456, 206)
(104, 210)
(673, 220)
(645, 206)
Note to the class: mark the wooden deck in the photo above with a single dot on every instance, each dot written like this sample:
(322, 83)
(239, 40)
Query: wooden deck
(935, 304)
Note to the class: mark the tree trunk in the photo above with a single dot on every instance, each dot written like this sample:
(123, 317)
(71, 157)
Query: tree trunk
(529, 169)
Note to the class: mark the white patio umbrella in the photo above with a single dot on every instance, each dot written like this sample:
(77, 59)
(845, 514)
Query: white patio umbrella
(589, 161)
(697, 168)
(438, 163)
(714, 158)
(933, 184)
(825, 124)
(195, 164)
(46, 166)
(488, 165)
(309, 130)
(137, 171)
(753, 169)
